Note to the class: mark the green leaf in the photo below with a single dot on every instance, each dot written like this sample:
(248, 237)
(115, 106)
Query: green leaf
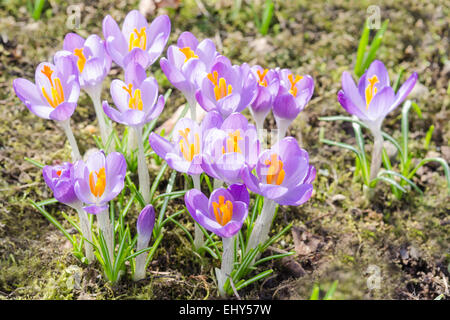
(441, 161)
(254, 279)
(315, 293)
(363, 42)
(330, 292)
(35, 163)
(375, 45)
(267, 17)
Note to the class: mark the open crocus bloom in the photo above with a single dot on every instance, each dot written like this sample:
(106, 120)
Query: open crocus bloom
(294, 93)
(61, 180)
(187, 62)
(229, 148)
(227, 88)
(55, 92)
(89, 56)
(184, 152)
(99, 180)
(136, 99)
(137, 41)
(283, 174)
(223, 213)
(268, 85)
(374, 98)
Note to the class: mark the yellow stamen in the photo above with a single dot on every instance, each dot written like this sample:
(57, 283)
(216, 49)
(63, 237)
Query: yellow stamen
(261, 75)
(232, 142)
(138, 41)
(213, 77)
(189, 150)
(57, 93)
(223, 211)
(275, 172)
(371, 90)
(293, 82)
(221, 90)
(188, 53)
(135, 101)
(81, 59)
(97, 187)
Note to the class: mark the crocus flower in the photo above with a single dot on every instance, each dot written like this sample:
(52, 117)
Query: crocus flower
(229, 148)
(89, 56)
(136, 99)
(145, 223)
(55, 92)
(268, 85)
(294, 93)
(137, 41)
(99, 180)
(187, 62)
(283, 174)
(374, 98)
(61, 180)
(227, 88)
(223, 213)
(184, 152)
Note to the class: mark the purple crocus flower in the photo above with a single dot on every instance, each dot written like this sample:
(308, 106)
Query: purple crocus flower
(229, 148)
(136, 99)
(268, 86)
(145, 224)
(283, 174)
(61, 180)
(227, 88)
(137, 41)
(55, 92)
(223, 213)
(99, 179)
(374, 98)
(187, 62)
(184, 152)
(89, 56)
(294, 93)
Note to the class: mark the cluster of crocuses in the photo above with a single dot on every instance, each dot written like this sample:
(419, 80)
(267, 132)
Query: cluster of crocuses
(224, 145)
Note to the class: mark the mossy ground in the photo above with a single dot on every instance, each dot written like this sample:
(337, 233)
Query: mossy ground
(339, 235)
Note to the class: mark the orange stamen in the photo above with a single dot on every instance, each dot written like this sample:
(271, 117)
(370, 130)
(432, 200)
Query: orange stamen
(189, 150)
(135, 101)
(188, 53)
(81, 59)
(293, 82)
(261, 75)
(223, 211)
(232, 142)
(138, 41)
(97, 187)
(371, 90)
(275, 172)
(57, 92)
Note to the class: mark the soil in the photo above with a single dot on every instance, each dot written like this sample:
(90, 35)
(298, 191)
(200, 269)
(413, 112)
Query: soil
(383, 249)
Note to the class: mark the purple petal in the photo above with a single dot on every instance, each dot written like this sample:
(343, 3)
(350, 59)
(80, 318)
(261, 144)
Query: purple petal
(239, 193)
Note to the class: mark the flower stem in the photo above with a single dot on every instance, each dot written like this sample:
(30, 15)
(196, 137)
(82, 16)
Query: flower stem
(95, 95)
(376, 154)
(139, 272)
(198, 235)
(262, 225)
(227, 263)
(105, 226)
(193, 106)
(144, 178)
(73, 143)
(217, 184)
(86, 230)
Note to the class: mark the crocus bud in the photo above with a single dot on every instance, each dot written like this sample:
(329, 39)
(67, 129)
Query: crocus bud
(60, 179)
(145, 223)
